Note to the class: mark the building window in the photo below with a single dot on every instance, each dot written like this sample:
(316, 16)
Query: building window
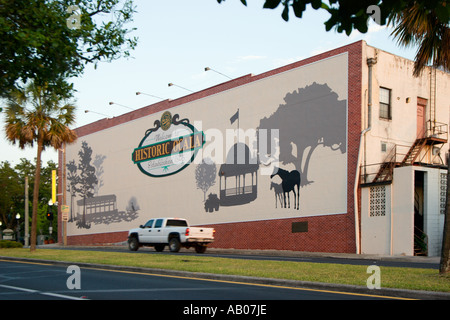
(377, 201)
(443, 192)
(385, 103)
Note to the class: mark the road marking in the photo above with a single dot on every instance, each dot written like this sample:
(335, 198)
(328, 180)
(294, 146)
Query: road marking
(40, 292)
(27, 262)
(17, 288)
(222, 281)
(255, 284)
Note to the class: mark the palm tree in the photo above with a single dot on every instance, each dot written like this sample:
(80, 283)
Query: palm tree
(417, 25)
(37, 115)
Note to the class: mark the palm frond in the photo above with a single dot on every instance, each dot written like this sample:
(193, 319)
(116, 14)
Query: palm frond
(37, 112)
(417, 26)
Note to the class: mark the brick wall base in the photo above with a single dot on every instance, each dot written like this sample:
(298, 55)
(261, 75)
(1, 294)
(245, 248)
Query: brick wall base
(97, 238)
(331, 233)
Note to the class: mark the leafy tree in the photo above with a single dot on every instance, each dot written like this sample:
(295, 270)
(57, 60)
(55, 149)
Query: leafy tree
(36, 115)
(12, 181)
(417, 22)
(10, 196)
(40, 41)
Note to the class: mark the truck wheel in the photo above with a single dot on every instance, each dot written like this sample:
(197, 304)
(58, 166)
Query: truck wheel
(174, 245)
(133, 244)
(159, 247)
(200, 248)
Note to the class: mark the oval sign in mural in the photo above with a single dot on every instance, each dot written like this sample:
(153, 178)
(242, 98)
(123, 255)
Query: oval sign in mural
(169, 147)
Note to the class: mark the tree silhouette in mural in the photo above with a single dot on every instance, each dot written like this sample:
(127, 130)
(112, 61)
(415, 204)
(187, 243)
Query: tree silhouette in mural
(310, 117)
(98, 165)
(72, 178)
(205, 176)
(84, 182)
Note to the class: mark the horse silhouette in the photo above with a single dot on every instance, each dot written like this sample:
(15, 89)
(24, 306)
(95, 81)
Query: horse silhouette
(278, 189)
(290, 179)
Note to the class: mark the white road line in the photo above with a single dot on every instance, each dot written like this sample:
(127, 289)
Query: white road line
(40, 292)
(17, 288)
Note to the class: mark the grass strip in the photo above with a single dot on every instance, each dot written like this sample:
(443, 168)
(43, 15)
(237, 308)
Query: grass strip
(391, 277)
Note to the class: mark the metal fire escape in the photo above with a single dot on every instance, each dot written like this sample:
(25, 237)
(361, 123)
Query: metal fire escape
(435, 135)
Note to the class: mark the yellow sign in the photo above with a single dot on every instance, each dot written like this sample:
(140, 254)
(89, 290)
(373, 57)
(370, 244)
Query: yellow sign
(54, 186)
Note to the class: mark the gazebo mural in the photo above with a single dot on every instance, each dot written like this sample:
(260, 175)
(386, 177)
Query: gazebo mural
(238, 176)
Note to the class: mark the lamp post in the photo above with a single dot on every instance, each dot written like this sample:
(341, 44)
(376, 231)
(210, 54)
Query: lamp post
(18, 227)
(26, 222)
(50, 216)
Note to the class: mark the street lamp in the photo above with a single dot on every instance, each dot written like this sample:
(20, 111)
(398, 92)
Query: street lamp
(138, 93)
(111, 103)
(107, 117)
(209, 69)
(172, 84)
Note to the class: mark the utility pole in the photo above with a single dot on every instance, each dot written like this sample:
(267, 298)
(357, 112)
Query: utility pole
(64, 195)
(27, 232)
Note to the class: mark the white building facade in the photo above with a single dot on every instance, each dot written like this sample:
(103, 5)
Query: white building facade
(404, 154)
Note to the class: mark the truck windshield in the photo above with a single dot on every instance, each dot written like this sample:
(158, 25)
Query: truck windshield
(176, 223)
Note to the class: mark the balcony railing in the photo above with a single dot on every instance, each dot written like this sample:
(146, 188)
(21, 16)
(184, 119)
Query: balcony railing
(437, 130)
(436, 133)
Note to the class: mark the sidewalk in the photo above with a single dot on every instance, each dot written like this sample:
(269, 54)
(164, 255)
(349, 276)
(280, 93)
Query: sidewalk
(275, 253)
(286, 253)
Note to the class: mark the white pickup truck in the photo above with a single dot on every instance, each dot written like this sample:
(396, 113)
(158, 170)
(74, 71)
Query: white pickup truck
(175, 232)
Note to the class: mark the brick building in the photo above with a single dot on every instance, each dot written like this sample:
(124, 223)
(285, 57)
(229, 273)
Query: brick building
(305, 157)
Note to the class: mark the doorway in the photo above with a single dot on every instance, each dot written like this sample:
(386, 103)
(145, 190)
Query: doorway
(420, 237)
(421, 123)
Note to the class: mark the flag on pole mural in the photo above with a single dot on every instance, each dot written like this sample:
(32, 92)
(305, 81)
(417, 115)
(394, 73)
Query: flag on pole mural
(234, 117)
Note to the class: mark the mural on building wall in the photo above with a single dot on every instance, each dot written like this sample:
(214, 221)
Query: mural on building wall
(85, 180)
(168, 163)
(310, 117)
(237, 176)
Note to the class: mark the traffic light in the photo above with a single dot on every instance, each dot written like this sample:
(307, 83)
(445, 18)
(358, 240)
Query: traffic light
(50, 213)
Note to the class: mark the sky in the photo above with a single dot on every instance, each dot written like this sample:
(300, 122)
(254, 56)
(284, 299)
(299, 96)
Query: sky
(179, 38)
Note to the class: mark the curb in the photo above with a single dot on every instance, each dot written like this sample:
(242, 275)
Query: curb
(351, 289)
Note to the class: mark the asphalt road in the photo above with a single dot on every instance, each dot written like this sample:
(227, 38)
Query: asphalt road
(40, 281)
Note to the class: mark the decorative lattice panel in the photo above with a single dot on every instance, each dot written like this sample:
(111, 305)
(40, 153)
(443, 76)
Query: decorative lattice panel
(377, 201)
